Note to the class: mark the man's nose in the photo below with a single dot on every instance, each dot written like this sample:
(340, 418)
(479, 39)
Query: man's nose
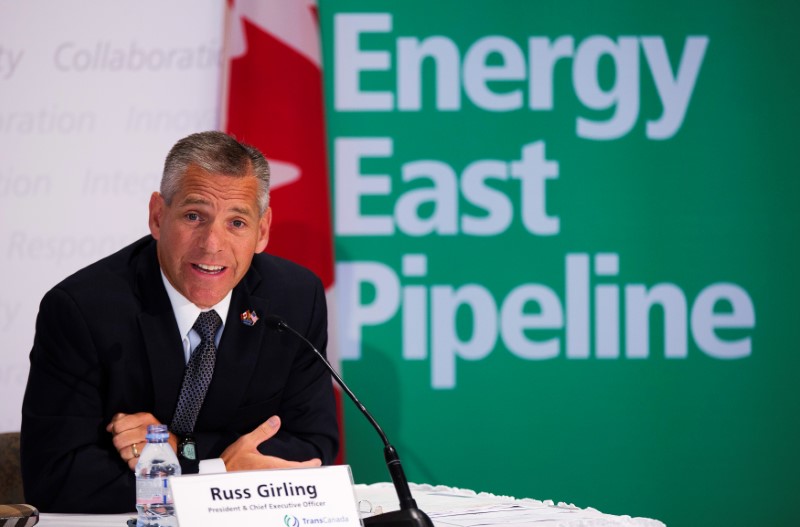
(212, 237)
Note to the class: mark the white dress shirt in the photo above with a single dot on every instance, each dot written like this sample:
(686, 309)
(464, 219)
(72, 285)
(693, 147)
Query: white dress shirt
(186, 314)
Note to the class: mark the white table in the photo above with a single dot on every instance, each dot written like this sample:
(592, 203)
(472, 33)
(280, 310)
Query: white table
(447, 507)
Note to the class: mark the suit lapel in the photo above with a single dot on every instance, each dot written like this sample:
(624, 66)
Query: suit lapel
(160, 335)
(237, 354)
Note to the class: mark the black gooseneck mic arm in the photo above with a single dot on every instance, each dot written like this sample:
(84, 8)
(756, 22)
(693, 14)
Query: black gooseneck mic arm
(409, 514)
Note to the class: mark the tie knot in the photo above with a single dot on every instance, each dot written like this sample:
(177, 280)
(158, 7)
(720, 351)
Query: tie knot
(207, 324)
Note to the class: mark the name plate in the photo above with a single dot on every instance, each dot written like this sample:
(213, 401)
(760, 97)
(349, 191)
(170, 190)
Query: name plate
(300, 497)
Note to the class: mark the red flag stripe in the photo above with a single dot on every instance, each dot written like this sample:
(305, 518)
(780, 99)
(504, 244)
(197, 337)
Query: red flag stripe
(273, 99)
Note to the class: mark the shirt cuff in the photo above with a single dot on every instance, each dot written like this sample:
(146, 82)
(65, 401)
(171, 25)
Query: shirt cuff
(212, 466)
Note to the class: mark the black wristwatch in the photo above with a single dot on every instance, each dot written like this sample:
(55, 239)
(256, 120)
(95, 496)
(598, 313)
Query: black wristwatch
(186, 448)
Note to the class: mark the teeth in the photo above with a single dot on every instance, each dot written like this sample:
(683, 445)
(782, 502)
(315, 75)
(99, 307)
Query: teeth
(210, 268)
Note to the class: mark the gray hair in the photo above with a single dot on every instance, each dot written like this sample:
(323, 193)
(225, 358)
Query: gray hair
(216, 153)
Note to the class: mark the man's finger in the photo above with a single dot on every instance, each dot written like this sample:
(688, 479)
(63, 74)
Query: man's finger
(284, 463)
(264, 431)
(261, 433)
(114, 419)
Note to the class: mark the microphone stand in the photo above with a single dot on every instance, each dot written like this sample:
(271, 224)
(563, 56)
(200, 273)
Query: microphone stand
(409, 514)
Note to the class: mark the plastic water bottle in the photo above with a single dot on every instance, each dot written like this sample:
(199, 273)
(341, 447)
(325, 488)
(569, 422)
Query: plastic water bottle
(153, 496)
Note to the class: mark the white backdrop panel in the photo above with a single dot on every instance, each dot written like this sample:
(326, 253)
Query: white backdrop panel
(92, 96)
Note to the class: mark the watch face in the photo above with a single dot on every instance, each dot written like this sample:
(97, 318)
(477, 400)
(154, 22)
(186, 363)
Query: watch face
(187, 450)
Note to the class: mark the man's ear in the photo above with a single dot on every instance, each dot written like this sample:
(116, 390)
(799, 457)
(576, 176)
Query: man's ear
(263, 230)
(154, 218)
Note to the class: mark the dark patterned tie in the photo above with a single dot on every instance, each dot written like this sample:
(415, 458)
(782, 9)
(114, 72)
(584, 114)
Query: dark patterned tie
(198, 374)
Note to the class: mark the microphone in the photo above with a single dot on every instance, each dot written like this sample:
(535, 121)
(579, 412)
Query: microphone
(409, 514)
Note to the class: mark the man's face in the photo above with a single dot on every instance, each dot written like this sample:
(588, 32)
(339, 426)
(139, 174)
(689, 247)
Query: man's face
(208, 235)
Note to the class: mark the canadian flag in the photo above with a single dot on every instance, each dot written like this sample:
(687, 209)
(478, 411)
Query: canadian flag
(272, 99)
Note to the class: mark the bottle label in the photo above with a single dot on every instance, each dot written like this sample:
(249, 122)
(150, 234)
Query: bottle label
(150, 491)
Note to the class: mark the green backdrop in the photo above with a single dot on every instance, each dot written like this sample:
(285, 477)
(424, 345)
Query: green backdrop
(566, 243)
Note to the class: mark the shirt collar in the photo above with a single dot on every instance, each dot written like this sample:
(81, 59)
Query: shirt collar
(186, 312)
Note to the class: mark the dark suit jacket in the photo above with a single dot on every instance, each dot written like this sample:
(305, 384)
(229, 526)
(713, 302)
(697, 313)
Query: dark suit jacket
(107, 341)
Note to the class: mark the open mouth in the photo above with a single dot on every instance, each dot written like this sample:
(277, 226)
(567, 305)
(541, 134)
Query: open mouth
(209, 269)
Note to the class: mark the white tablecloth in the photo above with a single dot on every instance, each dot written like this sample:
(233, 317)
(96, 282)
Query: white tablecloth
(447, 507)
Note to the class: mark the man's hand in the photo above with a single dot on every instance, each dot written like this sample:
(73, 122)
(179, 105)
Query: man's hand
(243, 454)
(129, 433)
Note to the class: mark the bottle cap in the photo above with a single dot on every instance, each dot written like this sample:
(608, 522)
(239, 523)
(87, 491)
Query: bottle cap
(157, 433)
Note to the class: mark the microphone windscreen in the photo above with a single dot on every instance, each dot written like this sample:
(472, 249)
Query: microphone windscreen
(273, 321)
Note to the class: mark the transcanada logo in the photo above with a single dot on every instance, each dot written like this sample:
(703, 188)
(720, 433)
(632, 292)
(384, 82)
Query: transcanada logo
(291, 521)
(325, 520)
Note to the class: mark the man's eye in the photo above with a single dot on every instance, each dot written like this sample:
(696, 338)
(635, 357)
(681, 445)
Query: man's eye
(192, 216)
(238, 224)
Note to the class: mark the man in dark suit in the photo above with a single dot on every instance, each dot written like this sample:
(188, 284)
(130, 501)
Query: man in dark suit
(116, 341)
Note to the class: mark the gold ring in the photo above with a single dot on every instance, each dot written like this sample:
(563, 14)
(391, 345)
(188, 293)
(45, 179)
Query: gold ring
(133, 449)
